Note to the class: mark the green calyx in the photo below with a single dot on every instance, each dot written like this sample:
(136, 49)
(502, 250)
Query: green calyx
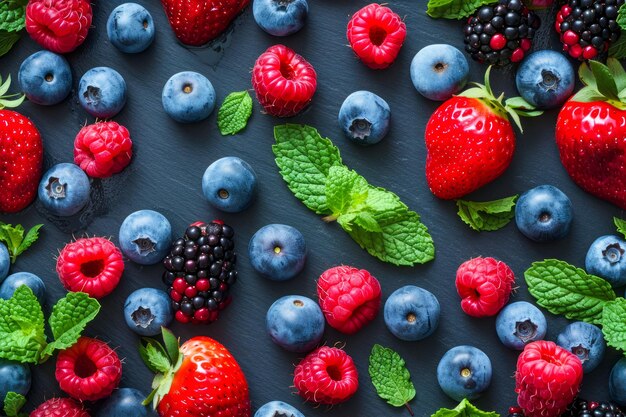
(602, 83)
(165, 360)
(513, 107)
(9, 100)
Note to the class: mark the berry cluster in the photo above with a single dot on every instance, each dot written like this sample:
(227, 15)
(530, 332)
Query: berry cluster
(581, 408)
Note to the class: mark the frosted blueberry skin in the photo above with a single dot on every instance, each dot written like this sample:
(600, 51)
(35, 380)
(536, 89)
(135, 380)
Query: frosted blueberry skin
(545, 79)
(14, 377)
(295, 323)
(146, 310)
(585, 341)
(188, 97)
(145, 237)
(277, 409)
(411, 313)
(280, 17)
(438, 71)
(130, 28)
(64, 189)
(5, 261)
(125, 402)
(229, 184)
(464, 372)
(102, 92)
(45, 78)
(364, 117)
(277, 251)
(544, 213)
(617, 383)
(606, 258)
(520, 323)
(16, 280)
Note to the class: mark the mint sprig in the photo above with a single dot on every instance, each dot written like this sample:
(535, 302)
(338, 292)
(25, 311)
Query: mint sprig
(487, 215)
(614, 323)
(233, 115)
(390, 377)
(15, 240)
(12, 22)
(13, 403)
(454, 9)
(464, 409)
(621, 225)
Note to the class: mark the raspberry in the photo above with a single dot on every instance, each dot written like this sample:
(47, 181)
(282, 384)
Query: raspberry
(349, 298)
(376, 35)
(103, 149)
(89, 370)
(58, 25)
(484, 285)
(92, 265)
(547, 380)
(59, 407)
(326, 376)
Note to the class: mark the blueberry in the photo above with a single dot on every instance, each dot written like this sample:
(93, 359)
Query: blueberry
(364, 117)
(545, 79)
(146, 310)
(295, 323)
(606, 258)
(15, 377)
(102, 92)
(520, 323)
(188, 97)
(5, 261)
(617, 383)
(585, 341)
(277, 409)
(145, 237)
(277, 251)
(280, 17)
(64, 189)
(45, 78)
(464, 372)
(130, 28)
(412, 313)
(439, 71)
(16, 280)
(544, 213)
(229, 184)
(125, 402)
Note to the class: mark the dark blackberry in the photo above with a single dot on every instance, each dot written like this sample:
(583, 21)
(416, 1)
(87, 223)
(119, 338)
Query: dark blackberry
(502, 33)
(199, 271)
(588, 27)
(581, 408)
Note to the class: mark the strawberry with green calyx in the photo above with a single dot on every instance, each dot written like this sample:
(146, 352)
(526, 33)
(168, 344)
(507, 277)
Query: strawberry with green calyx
(591, 132)
(470, 141)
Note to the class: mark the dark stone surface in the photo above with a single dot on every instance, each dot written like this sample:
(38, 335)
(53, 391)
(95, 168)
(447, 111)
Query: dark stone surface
(170, 158)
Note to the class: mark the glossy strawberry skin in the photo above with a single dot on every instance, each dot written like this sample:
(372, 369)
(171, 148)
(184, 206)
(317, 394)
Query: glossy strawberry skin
(468, 145)
(591, 138)
(21, 159)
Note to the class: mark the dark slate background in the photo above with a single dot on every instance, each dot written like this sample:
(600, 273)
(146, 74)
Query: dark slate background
(170, 158)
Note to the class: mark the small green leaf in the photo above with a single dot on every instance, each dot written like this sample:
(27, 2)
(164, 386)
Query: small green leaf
(7, 40)
(617, 49)
(614, 323)
(154, 355)
(588, 95)
(454, 9)
(604, 80)
(475, 92)
(13, 237)
(345, 190)
(234, 112)
(390, 377)
(464, 409)
(13, 403)
(5, 86)
(12, 15)
(621, 17)
(367, 221)
(487, 215)
(618, 73)
(621, 225)
(171, 344)
(518, 103)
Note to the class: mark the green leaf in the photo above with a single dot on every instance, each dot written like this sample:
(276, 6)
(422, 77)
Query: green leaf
(390, 377)
(5, 86)
(588, 95)
(13, 403)
(7, 40)
(234, 112)
(12, 15)
(13, 237)
(6, 103)
(154, 355)
(345, 189)
(617, 49)
(562, 288)
(454, 9)
(621, 225)
(604, 80)
(464, 409)
(367, 221)
(621, 17)
(171, 344)
(614, 323)
(487, 215)
(618, 73)
(586, 75)
(475, 92)
(22, 336)
(519, 103)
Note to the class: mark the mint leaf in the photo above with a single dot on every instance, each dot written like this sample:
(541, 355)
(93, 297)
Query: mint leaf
(12, 16)
(621, 225)
(487, 215)
(621, 17)
(234, 112)
(562, 288)
(345, 190)
(7, 40)
(617, 49)
(22, 336)
(454, 9)
(464, 409)
(13, 403)
(390, 377)
(614, 323)
(13, 237)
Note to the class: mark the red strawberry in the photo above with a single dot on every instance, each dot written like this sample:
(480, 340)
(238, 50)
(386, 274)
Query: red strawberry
(196, 22)
(591, 133)
(484, 285)
(103, 149)
(59, 407)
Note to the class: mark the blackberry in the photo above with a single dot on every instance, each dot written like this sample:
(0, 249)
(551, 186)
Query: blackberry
(588, 27)
(199, 271)
(582, 408)
(502, 33)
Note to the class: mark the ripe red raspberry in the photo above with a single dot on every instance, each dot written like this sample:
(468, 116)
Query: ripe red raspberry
(59, 407)
(547, 380)
(103, 149)
(284, 82)
(376, 35)
(326, 376)
(58, 25)
(92, 265)
(89, 370)
(349, 297)
(484, 285)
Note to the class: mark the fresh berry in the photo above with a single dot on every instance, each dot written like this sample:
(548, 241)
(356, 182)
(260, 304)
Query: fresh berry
(145, 237)
(585, 341)
(199, 272)
(45, 78)
(64, 189)
(349, 298)
(89, 370)
(5, 261)
(295, 323)
(16, 280)
(284, 81)
(545, 79)
(21, 160)
(278, 409)
(125, 402)
(412, 313)
(326, 376)
(583, 408)
(196, 22)
(364, 117)
(229, 184)
(60, 407)
(92, 265)
(376, 35)
(439, 71)
(501, 33)
(188, 97)
(617, 382)
(277, 251)
(484, 285)
(14, 377)
(547, 380)
(520, 323)
(464, 372)
(130, 28)
(606, 258)
(58, 25)
(544, 213)
(146, 310)
(103, 149)
(280, 18)
(102, 92)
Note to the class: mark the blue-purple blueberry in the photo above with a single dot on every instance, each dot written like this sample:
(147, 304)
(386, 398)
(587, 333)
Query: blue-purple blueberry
(5, 261)
(16, 280)
(277, 409)
(277, 251)
(617, 383)
(606, 258)
(125, 402)
(520, 323)
(14, 377)
(464, 372)
(188, 97)
(45, 78)
(544, 213)
(146, 310)
(102, 92)
(280, 17)
(295, 323)
(438, 71)
(130, 28)
(364, 117)
(545, 79)
(229, 184)
(411, 313)
(64, 189)
(145, 237)
(585, 341)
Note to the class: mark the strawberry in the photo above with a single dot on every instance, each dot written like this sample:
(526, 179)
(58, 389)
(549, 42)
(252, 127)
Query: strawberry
(470, 141)
(591, 132)
(196, 22)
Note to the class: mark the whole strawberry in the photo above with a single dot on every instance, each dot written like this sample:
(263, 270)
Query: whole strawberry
(591, 132)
